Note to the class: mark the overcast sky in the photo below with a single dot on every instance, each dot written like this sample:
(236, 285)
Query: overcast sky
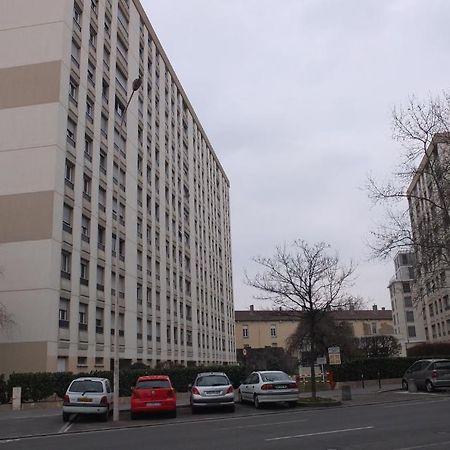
(296, 98)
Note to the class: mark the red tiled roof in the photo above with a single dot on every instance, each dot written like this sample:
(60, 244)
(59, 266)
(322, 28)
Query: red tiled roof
(283, 315)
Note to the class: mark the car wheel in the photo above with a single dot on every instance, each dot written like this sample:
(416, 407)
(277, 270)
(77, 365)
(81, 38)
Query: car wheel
(292, 404)
(65, 417)
(429, 386)
(173, 414)
(404, 385)
(256, 402)
(133, 415)
(193, 409)
(231, 409)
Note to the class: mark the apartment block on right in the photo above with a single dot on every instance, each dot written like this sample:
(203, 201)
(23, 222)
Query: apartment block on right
(428, 196)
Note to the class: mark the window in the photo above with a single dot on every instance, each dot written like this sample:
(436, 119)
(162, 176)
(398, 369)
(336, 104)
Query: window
(102, 199)
(408, 302)
(73, 92)
(100, 278)
(99, 313)
(410, 316)
(374, 328)
(71, 132)
(101, 237)
(82, 314)
(94, 6)
(105, 90)
(63, 313)
(69, 173)
(119, 108)
(91, 73)
(88, 147)
(245, 332)
(77, 17)
(273, 331)
(90, 110)
(67, 218)
(104, 125)
(85, 228)
(86, 187)
(93, 38)
(103, 162)
(84, 272)
(75, 54)
(65, 264)
(406, 286)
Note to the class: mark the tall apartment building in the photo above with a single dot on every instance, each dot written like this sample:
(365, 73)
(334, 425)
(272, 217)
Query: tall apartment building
(428, 195)
(91, 199)
(407, 318)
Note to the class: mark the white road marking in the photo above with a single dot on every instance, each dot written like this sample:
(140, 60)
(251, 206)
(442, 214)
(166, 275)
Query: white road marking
(263, 424)
(434, 444)
(319, 433)
(412, 403)
(65, 428)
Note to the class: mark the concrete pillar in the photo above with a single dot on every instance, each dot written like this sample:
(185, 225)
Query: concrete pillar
(16, 398)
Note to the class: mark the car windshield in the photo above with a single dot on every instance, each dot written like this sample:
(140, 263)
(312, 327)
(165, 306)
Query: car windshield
(86, 386)
(212, 380)
(275, 376)
(152, 384)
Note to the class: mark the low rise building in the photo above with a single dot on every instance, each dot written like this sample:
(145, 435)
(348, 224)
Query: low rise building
(272, 328)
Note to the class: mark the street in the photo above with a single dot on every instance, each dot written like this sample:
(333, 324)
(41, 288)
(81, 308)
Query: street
(412, 421)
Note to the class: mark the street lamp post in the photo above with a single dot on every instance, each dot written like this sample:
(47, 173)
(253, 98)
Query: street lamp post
(136, 85)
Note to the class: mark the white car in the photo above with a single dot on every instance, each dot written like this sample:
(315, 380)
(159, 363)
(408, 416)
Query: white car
(269, 387)
(88, 395)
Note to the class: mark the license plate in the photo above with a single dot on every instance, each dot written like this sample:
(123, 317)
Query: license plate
(213, 392)
(280, 386)
(153, 404)
(85, 399)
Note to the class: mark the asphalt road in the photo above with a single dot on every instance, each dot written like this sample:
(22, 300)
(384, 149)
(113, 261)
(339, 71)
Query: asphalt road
(420, 422)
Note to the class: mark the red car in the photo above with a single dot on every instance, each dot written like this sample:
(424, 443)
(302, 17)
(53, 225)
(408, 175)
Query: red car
(153, 393)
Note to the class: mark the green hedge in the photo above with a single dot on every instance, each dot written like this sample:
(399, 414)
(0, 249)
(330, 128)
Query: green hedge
(39, 386)
(371, 368)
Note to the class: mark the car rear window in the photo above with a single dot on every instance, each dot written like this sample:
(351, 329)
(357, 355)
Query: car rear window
(152, 384)
(86, 386)
(212, 380)
(442, 365)
(275, 376)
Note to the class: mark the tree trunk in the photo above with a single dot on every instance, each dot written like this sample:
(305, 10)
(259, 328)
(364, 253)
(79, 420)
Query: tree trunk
(313, 364)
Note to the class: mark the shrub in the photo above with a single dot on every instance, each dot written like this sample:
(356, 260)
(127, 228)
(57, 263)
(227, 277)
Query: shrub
(371, 368)
(39, 386)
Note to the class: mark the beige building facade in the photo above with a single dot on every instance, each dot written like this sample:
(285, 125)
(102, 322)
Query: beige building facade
(260, 329)
(88, 195)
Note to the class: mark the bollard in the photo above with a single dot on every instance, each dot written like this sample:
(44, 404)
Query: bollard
(346, 393)
(412, 386)
(16, 398)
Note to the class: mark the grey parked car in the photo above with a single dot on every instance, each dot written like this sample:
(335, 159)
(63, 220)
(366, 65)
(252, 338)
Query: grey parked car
(212, 389)
(428, 374)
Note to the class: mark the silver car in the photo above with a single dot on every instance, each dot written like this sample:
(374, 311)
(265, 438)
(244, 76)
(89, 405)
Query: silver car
(89, 395)
(428, 374)
(268, 387)
(212, 389)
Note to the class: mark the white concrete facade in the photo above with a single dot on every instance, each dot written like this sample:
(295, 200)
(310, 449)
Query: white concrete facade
(407, 317)
(75, 200)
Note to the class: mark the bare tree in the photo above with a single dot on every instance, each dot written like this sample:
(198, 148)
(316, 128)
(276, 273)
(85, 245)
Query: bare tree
(417, 217)
(308, 281)
(378, 346)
